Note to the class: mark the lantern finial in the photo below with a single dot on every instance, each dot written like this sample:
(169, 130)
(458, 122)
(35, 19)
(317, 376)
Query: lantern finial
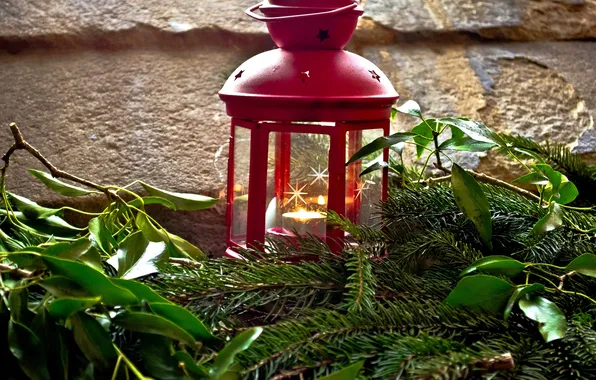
(292, 23)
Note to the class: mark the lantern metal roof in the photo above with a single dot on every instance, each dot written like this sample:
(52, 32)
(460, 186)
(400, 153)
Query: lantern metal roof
(310, 78)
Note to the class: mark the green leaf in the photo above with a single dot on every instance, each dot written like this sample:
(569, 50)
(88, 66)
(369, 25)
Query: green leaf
(474, 129)
(178, 247)
(60, 286)
(551, 320)
(348, 373)
(153, 324)
(182, 201)
(560, 188)
(225, 357)
(481, 292)
(55, 342)
(18, 302)
(374, 167)
(140, 290)
(466, 144)
(423, 137)
(472, 202)
(533, 178)
(94, 282)
(156, 354)
(52, 225)
(28, 350)
(520, 291)
(59, 186)
(393, 113)
(151, 201)
(64, 307)
(94, 341)
(551, 221)
(186, 361)
(410, 108)
(184, 319)
(503, 265)
(30, 209)
(584, 264)
(380, 144)
(70, 251)
(567, 192)
(148, 228)
(138, 257)
(101, 236)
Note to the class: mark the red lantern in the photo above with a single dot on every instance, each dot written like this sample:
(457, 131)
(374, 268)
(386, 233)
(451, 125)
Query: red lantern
(298, 114)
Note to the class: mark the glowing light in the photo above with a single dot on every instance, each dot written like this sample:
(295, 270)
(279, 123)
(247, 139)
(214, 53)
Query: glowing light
(303, 216)
(296, 194)
(321, 200)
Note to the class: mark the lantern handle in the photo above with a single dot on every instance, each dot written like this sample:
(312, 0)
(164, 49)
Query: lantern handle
(250, 12)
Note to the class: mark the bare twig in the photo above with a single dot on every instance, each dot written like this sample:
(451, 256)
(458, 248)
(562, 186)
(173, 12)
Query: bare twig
(491, 180)
(186, 262)
(21, 144)
(19, 272)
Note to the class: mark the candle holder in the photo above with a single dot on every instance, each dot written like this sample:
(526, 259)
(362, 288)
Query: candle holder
(298, 113)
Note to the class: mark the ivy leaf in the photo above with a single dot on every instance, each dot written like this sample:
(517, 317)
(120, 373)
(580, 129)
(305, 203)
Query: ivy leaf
(348, 373)
(59, 186)
(474, 129)
(503, 265)
(94, 341)
(138, 257)
(380, 143)
(70, 251)
(225, 357)
(64, 307)
(183, 318)
(410, 108)
(551, 221)
(153, 324)
(520, 291)
(28, 350)
(30, 209)
(533, 178)
(18, 302)
(551, 320)
(585, 264)
(94, 282)
(481, 292)
(140, 290)
(472, 202)
(182, 201)
(466, 144)
(423, 137)
(51, 225)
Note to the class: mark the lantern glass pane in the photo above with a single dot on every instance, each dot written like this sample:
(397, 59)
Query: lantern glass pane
(363, 193)
(297, 184)
(240, 188)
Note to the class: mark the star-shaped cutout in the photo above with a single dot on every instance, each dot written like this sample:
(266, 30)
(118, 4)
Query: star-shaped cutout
(375, 75)
(239, 75)
(319, 175)
(323, 35)
(296, 194)
(304, 75)
(362, 188)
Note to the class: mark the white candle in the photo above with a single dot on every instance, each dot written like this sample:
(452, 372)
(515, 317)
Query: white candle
(305, 222)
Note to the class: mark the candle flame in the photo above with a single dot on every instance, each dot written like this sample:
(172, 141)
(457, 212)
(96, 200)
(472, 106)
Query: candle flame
(321, 200)
(303, 216)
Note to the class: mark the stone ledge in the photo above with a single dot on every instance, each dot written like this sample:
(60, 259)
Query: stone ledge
(187, 24)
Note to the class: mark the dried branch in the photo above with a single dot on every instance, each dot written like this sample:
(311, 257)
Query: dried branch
(19, 272)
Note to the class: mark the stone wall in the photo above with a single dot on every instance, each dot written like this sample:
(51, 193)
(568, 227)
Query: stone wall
(117, 90)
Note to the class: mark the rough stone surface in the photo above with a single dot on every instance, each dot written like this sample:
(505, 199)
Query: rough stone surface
(117, 90)
(113, 118)
(511, 19)
(514, 88)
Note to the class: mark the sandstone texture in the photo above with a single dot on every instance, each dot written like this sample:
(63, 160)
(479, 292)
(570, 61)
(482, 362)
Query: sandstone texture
(117, 90)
